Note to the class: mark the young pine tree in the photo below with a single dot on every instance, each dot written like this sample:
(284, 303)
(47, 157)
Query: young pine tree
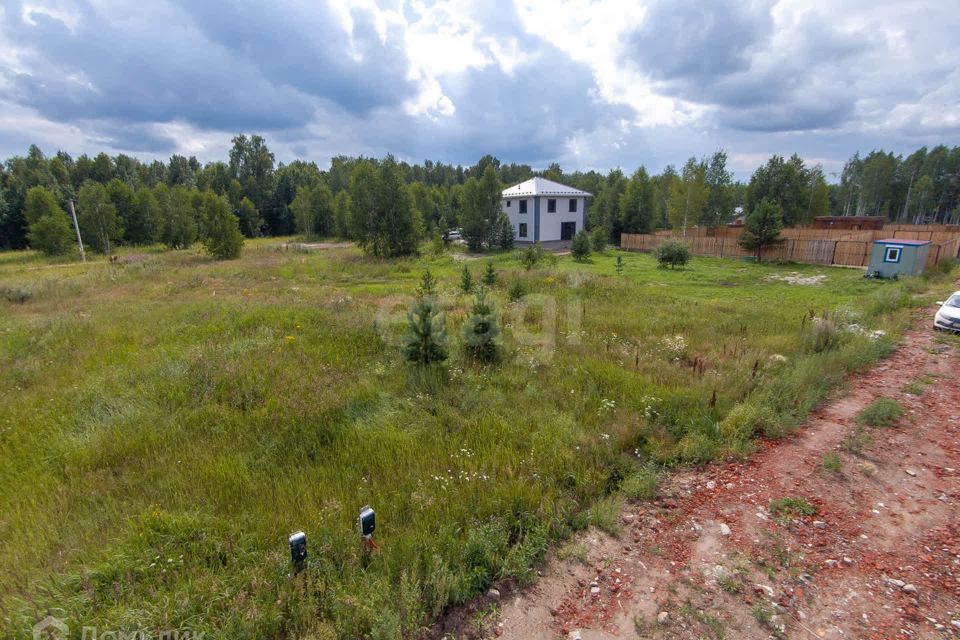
(580, 248)
(428, 285)
(466, 280)
(426, 341)
(619, 265)
(480, 330)
(490, 275)
(762, 227)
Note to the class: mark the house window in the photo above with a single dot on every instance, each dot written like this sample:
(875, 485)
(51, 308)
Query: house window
(523, 206)
(892, 254)
(523, 229)
(509, 202)
(551, 205)
(573, 205)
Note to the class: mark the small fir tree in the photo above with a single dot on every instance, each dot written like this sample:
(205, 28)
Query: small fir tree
(598, 239)
(426, 341)
(466, 280)
(490, 275)
(619, 265)
(580, 249)
(762, 227)
(428, 285)
(480, 330)
(516, 291)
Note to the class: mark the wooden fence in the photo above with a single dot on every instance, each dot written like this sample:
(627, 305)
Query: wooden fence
(939, 234)
(810, 250)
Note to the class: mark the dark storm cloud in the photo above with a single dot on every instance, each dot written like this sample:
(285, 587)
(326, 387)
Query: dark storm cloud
(728, 56)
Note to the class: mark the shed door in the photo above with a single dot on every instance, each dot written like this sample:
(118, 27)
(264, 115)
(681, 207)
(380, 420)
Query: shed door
(568, 230)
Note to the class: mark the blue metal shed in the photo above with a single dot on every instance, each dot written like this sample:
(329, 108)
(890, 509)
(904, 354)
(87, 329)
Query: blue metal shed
(892, 258)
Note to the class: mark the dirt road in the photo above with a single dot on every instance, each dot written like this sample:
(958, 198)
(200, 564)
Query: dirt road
(879, 558)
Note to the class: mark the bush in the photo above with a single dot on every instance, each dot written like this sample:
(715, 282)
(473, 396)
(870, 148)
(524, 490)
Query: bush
(641, 485)
(823, 336)
(784, 509)
(580, 248)
(672, 253)
(882, 413)
(17, 295)
(516, 291)
(221, 228)
(531, 256)
(51, 234)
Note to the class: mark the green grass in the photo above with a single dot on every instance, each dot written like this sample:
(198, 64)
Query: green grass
(832, 462)
(166, 421)
(881, 413)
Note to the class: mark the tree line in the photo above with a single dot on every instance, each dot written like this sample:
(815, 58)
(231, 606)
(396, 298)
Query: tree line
(389, 206)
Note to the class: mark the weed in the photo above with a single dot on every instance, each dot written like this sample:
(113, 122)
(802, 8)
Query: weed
(641, 485)
(882, 413)
(731, 584)
(913, 389)
(785, 509)
(857, 441)
(831, 461)
(762, 613)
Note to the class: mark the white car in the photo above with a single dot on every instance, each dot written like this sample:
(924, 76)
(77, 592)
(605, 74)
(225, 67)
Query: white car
(948, 317)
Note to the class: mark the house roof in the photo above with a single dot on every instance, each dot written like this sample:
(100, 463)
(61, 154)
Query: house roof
(543, 187)
(906, 243)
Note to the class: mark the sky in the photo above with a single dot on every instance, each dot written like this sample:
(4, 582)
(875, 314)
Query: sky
(590, 84)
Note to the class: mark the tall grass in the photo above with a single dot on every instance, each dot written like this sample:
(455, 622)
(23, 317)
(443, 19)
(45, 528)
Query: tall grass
(165, 424)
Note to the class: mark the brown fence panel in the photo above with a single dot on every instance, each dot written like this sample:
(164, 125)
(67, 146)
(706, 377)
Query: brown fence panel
(853, 253)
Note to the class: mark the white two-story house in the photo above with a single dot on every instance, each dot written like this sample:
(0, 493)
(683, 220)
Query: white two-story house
(542, 210)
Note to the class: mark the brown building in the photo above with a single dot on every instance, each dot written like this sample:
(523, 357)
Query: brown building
(849, 223)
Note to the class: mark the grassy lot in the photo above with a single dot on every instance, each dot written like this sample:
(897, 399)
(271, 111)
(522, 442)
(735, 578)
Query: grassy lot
(166, 421)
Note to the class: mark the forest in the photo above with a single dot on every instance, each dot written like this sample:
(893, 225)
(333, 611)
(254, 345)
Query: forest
(123, 200)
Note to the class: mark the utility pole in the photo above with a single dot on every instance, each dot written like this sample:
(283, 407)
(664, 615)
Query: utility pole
(76, 227)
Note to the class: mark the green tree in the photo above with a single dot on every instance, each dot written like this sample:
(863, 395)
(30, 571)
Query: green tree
(480, 218)
(49, 227)
(122, 197)
(427, 286)
(97, 216)
(382, 220)
(688, 195)
(598, 239)
(785, 183)
(180, 218)
(490, 275)
(466, 280)
(145, 225)
(313, 210)
(503, 232)
(580, 247)
(718, 181)
(250, 220)
(221, 229)
(480, 330)
(363, 201)
(426, 340)
(638, 204)
(341, 215)
(762, 227)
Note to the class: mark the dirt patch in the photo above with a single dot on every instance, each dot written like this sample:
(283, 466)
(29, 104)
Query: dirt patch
(313, 246)
(878, 558)
(798, 278)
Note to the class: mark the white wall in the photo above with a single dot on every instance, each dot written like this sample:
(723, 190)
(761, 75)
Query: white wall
(549, 222)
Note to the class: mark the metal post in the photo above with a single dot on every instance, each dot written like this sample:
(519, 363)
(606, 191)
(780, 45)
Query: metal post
(76, 227)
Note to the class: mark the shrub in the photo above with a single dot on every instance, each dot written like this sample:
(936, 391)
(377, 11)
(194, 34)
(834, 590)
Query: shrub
(51, 234)
(641, 485)
(426, 341)
(783, 509)
(857, 441)
(823, 336)
(882, 413)
(747, 419)
(531, 256)
(580, 248)
(480, 330)
(831, 461)
(466, 280)
(221, 228)
(17, 295)
(672, 253)
(516, 291)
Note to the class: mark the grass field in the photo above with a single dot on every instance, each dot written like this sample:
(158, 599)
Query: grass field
(166, 421)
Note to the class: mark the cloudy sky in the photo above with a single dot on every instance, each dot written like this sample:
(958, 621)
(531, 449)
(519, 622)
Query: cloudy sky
(589, 84)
